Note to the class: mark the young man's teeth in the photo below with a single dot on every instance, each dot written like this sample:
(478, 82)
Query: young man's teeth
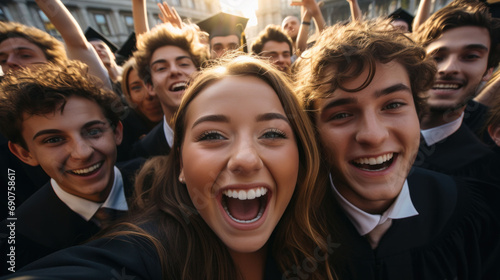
(245, 194)
(87, 170)
(179, 86)
(374, 161)
(446, 86)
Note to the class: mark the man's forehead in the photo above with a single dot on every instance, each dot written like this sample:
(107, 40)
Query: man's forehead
(18, 43)
(289, 19)
(225, 40)
(461, 37)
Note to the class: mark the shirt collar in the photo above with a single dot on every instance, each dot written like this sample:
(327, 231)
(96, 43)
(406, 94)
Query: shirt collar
(436, 134)
(366, 222)
(169, 133)
(86, 208)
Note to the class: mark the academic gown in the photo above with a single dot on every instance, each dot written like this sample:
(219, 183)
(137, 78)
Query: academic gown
(123, 257)
(454, 236)
(134, 128)
(27, 179)
(45, 224)
(460, 154)
(153, 144)
(475, 117)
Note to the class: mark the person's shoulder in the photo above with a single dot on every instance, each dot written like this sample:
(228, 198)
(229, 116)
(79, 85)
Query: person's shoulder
(129, 256)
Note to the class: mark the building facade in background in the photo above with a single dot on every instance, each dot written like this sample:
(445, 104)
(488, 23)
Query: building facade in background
(273, 12)
(113, 18)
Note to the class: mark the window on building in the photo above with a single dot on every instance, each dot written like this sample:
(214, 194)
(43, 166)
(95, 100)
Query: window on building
(190, 4)
(3, 16)
(129, 22)
(49, 27)
(102, 23)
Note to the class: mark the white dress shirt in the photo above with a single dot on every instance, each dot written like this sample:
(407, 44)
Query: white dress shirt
(86, 208)
(169, 133)
(366, 222)
(438, 133)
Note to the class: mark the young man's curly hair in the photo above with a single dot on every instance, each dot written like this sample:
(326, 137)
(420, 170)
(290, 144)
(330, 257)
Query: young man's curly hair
(46, 89)
(343, 51)
(185, 38)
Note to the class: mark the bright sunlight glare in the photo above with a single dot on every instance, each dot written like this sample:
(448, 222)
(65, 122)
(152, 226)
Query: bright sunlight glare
(245, 8)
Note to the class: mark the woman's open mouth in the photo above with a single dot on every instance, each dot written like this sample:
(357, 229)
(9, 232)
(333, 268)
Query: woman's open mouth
(245, 206)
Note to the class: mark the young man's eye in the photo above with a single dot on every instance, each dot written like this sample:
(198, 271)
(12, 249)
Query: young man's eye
(274, 134)
(394, 105)
(210, 136)
(53, 140)
(339, 116)
(471, 57)
(93, 132)
(437, 58)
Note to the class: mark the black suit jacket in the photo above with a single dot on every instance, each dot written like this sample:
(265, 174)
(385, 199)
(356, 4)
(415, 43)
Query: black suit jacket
(460, 154)
(455, 235)
(153, 144)
(45, 224)
(27, 179)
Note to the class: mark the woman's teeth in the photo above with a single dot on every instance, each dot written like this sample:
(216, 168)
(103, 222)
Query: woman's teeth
(245, 194)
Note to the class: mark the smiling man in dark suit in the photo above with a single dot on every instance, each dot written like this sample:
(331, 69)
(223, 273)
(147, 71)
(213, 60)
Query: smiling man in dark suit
(61, 118)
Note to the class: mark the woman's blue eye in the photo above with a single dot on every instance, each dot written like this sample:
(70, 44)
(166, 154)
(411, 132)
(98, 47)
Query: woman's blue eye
(210, 136)
(274, 133)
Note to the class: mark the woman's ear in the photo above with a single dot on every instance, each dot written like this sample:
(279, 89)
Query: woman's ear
(23, 154)
(182, 179)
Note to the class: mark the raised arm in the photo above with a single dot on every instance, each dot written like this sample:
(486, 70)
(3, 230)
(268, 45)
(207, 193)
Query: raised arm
(423, 13)
(139, 12)
(169, 15)
(77, 46)
(356, 13)
(309, 10)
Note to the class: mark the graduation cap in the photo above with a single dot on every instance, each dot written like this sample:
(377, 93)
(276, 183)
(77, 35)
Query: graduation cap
(93, 35)
(128, 47)
(401, 14)
(223, 24)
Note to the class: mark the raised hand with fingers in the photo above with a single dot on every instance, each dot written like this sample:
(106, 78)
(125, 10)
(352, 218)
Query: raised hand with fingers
(169, 14)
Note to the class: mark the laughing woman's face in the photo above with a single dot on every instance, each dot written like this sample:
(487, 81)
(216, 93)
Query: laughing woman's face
(239, 160)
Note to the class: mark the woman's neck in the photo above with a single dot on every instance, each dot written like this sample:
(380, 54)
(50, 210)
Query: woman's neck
(251, 265)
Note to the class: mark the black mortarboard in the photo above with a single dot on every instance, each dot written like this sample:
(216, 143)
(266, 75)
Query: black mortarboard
(92, 35)
(223, 24)
(128, 47)
(403, 15)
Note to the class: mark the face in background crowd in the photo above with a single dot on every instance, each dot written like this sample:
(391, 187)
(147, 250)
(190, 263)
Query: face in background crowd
(16, 53)
(461, 55)
(291, 26)
(239, 160)
(371, 136)
(104, 52)
(219, 45)
(149, 105)
(171, 69)
(279, 54)
(75, 147)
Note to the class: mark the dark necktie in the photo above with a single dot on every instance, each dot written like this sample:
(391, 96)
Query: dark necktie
(105, 216)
